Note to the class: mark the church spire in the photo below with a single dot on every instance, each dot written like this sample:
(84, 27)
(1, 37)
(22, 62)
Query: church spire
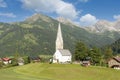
(59, 39)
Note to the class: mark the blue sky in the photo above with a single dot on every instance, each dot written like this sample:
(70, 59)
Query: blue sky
(84, 12)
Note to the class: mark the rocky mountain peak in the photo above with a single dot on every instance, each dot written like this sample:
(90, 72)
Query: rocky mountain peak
(103, 23)
(102, 26)
(66, 21)
(117, 25)
(63, 20)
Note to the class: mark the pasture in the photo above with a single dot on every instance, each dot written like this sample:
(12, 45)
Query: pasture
(44, 71)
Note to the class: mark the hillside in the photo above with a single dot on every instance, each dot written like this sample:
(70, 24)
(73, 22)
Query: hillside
(116, 46)
(37, 34)
(42, 71)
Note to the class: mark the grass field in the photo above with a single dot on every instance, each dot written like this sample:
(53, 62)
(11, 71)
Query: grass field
(39, 71)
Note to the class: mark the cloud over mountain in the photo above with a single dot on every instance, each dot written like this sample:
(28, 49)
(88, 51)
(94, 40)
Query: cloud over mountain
(88, 20)
(58, 7)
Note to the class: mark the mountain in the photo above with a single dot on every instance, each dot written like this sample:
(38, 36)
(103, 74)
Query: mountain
(37, 34)
(103, 26)
(116, 46)
(117, 25)
(66, 21)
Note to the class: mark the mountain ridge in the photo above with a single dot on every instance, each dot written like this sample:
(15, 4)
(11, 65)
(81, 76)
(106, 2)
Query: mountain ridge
(37, 34)
(104, 25)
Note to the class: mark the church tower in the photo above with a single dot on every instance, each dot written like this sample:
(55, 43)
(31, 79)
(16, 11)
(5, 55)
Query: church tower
(61, 55)
(59, 39)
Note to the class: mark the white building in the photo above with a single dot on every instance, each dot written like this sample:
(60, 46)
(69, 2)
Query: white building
(61, 55)
(20, 61)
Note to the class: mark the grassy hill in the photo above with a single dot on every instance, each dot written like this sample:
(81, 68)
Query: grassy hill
(37, 34)
(42, 71)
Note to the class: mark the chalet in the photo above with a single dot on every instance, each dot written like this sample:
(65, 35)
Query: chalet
(62, 56)
(34, 59)
(85, 63)
(6, 60)
(20, 61)
(114, 63)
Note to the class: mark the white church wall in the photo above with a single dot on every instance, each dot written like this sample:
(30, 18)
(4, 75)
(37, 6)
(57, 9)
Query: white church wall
(56, 56)
(65, 59)
(59, 58)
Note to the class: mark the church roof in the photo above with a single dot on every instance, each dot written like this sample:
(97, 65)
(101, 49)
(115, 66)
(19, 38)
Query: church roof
(65, 52)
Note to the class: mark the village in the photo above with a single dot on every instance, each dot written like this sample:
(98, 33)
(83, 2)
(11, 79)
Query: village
(61, 56)
(59, 39)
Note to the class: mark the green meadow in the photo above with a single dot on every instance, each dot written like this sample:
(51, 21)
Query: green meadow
(42, 71)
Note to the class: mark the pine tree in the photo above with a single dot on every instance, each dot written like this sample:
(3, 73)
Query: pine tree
(108, 53)
(80, 51)
(95, 55)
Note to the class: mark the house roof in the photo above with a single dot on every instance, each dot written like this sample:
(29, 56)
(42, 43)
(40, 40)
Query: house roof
(86, 62)
(65, 52)
(117, 59)
(6, 59)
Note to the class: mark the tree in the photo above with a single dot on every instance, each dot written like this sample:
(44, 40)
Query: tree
(15, 59)
(80, 51)
(108, 53)
(95, 55)
(1, 64)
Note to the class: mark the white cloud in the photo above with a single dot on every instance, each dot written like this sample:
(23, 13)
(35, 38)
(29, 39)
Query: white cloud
(8, 15)
(59, 7)
(88, 20)
(2, 4)
(116, 16)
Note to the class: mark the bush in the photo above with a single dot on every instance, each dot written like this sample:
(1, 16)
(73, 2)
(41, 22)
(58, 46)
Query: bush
(14, 62)
(1, 64)
(26, 59)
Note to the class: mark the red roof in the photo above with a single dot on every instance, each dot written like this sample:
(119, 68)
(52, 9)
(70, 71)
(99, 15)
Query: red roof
(6, 59)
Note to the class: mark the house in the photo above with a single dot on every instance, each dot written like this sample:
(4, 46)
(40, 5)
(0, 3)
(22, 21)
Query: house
(62, 56)
(85, 63)
(20, 61)
(114, 62)
(6, 60)
(34, 59)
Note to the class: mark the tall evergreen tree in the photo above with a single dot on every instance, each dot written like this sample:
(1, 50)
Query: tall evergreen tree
(108, 53)
(95, 55)
(80, 51)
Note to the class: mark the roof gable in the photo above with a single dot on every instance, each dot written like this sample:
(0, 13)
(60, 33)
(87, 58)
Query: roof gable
(65, 52)
(6, 59)
(117, 59)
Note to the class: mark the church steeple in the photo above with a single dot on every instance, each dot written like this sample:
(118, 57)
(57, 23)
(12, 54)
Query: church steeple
(59, 39)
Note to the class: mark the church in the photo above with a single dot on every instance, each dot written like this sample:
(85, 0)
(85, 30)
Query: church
(61, 55)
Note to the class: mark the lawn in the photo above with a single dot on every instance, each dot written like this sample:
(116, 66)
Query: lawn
(42, 71)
